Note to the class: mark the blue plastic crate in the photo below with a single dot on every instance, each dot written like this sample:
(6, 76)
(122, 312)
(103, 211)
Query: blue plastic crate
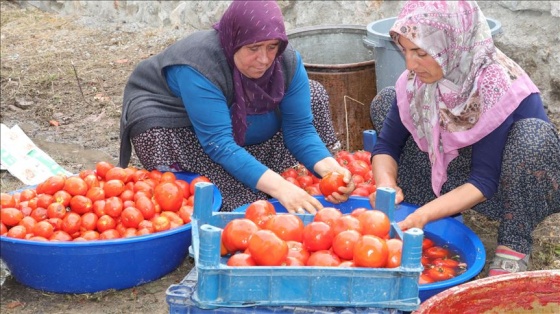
(220, 285)
(179, 300)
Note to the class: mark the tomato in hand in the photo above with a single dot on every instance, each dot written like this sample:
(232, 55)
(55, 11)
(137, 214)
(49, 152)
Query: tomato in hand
(331, 182)
(267, 249)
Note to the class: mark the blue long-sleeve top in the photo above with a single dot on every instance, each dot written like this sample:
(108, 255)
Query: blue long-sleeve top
(210, 115)
(486, 162)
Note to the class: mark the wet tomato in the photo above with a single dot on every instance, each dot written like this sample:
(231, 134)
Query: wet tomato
(11, 216)
(346, 222)
(197, 180)
(260, 211)
(436, 252)
(236, 234)
(288, 227)
(267, 249)
(169, 196)
(323, 258)
(317, 236)
(440, 273)
(370, 251)
(394, 249)
(297, 251)
(241, 259)
(344, 242)
(375, 222)
(327, 215)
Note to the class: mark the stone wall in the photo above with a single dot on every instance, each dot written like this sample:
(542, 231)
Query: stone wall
(530, 29)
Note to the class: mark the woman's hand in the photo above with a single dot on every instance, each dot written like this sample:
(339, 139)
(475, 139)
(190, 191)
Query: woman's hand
(414, 220)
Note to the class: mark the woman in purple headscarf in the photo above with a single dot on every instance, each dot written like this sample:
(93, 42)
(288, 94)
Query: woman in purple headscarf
(465, 127)
(234, 104)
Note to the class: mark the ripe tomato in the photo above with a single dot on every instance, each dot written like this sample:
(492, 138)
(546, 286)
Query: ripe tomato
(317, 236)
(425, 279)
(106, 222)
(3, 229)
(436, 252)
(260, 212)
(167, 176)
(27, 194)
(290, 172)
(394, 247)
(313, 189)
(81, 204)
(39, 214)
(267, 249)
(29, 223)
(293, 181)
(43, 229)
(185, 187)
(113, 206)
(51, 185)
(62, 197)
(89, 221)
(292, 261)
(11, 216)
(146, 224)
(362, 155)
(375, 222)
(91, 180)
(7, 200)
(101, 168)
(55, 222)
(305, 181)
(356, 212)
(90, 235)
(344, 157)
(427, 243)
(169, 196)
(56, 210)
(117, 173)
(146, 207)
(370, 251)
(195, 181)
(109, 234)
(60, 235)
(297, 251)
(327, 215)
(75, 186)
(241, 259)
(323, 258)
(440, 273)
(361, 191)
(71, 223)
(359, 167)
(343, 244)
(346, 222)
(287, 227)
(44, 200)
(331, 182)
(445, 261)
(161, 223)
(173, 217)
(185, 212)
(113, 187)
(347, 264)
(236, 234)
(17, 232)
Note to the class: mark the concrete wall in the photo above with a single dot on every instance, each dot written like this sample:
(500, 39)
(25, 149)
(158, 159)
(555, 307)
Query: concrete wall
(530, 29)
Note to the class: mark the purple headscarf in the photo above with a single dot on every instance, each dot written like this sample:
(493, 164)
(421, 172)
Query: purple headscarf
(245, 23)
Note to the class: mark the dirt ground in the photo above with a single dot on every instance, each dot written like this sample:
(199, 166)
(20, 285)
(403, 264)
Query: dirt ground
(59, 69)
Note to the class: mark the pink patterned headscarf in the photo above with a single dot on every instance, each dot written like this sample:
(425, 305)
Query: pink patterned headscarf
(480, 87)
(245, 23)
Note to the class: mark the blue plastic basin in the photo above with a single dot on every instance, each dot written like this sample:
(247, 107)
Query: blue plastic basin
(93, 266)
(453, 232)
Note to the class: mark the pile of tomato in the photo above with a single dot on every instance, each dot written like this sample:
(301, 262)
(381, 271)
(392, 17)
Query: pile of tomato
(440, 263)
(358, 163)
(265, 238)
(107, 202)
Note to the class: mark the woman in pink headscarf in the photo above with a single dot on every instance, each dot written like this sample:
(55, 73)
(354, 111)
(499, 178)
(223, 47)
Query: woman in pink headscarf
(465, 127)
(234, 104)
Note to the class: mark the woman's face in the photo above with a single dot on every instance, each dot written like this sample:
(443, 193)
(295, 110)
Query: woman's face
(253, 60)
(419, 61)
